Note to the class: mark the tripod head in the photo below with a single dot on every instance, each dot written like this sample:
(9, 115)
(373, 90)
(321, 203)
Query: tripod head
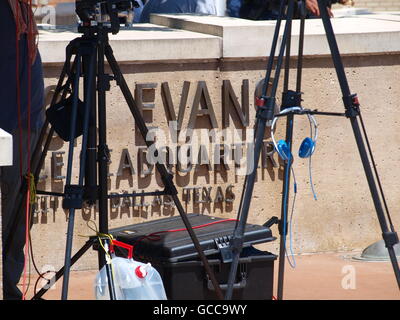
(103, 12)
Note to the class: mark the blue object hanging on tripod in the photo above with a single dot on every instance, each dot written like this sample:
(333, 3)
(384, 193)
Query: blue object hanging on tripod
(307, 147)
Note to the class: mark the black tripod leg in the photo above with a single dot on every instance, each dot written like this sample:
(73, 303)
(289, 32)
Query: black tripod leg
(264, 114)
(63, 89)
(71, 216)
(301, 49)
(60, 272)
(109, 270)
(273, 49)
(91, 182)
(289, 100)
(103, 154)
(265, 84)
(165, 176)
(285, 202)
(79, 195)
(390, 237)
(286, 102)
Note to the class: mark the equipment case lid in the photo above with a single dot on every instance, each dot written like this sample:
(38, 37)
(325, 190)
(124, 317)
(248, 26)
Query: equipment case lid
(159, 240)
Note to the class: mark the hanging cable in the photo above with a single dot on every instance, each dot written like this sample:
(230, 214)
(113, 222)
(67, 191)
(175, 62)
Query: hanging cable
(309, 161)
(293, 262)
(40, 274)
(285, 211)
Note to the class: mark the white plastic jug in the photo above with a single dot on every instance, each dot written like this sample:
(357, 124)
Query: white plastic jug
(133, 280)
(101, 286)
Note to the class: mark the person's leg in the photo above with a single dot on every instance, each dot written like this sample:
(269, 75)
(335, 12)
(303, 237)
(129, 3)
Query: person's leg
(13, 263)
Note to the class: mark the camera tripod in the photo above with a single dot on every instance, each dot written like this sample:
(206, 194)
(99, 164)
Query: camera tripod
(291, 98)
(89, 53)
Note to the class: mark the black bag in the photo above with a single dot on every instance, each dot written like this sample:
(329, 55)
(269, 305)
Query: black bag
(60, 117)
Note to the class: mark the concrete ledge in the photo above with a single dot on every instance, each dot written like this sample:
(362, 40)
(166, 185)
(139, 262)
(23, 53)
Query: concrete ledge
(244, 38)
(198, 37)
(240, 37)
(355, 36)
(6, 148)
(339, 11)
(144, 42)
(382, 16)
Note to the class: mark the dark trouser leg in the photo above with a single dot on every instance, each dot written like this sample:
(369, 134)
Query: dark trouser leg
(13, 263)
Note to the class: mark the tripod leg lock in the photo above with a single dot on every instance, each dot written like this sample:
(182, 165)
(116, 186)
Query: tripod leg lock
(103, 83)
(265, 109)
(390, 238)
(352, 106)
(73, 197)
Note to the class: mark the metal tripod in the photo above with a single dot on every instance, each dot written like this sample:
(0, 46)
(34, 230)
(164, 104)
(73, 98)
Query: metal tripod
(265, 113)
(90, 52)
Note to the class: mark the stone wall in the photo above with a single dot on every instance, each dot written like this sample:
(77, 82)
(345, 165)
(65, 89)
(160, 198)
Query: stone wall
(342, 219)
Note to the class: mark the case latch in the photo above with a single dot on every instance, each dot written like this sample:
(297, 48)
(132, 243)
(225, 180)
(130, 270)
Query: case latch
(224, 248)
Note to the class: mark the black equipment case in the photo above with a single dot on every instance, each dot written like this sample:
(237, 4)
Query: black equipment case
(166, 244)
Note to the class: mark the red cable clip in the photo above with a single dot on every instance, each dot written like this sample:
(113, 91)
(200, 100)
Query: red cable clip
(355, 100)
(122, 245)
(260, 102)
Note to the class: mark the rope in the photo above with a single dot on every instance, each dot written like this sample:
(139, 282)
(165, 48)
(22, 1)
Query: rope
(32, 188)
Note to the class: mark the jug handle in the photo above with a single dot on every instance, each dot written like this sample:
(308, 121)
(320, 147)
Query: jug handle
(122, 245)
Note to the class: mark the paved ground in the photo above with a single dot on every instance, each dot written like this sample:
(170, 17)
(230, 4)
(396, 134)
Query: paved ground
(316, 277)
